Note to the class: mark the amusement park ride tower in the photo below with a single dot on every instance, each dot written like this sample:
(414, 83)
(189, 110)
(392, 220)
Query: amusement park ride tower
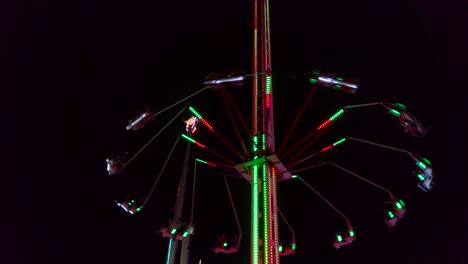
(264, 169)
(261, 166)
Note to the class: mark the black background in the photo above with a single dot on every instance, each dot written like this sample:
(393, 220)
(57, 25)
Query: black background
(77, 71)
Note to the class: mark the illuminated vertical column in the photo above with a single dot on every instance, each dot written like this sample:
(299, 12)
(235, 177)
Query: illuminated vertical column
(255, 207)
(255, 70)
(266, 213)
(274, 214)
(263, 129)
(255, 212)
(268, 83)
(270, 219)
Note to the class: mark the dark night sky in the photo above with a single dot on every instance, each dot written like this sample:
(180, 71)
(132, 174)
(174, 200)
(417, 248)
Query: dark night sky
(77, 71)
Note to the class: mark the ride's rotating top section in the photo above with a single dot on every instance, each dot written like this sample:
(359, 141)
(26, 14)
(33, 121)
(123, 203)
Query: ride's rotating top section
(261, 155)
(263, 166)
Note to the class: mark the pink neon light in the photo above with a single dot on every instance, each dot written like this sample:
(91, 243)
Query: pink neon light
(268, 100)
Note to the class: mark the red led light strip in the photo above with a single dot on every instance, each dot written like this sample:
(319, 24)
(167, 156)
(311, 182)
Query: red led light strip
(207, 125)
(200, 145)
(326, 148)
(325, 124)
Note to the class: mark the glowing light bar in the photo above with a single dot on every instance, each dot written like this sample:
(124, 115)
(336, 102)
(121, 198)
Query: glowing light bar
(268, 85)
(390, 214)
(193, 141)
(280, 248)
(207, 125)
(323, 124)
(169, 252)
(224, 80)
(185, 234)
(398, 206)
(333, 145)
(400, 105)
(339, 141)
(421, 165)
(401, 202)
(138, 120)
(225, 244)
(339, 82)
(421, 177)
(263, 142)
(323, 79)
(294, 176)
(427, 161)
(331, 119)
(255, 140)
(173, 231)
(266, 220)
(206, 162)
(195, 112)
(395, 112)
(268, 91)
(351, 233)
(313, 80)
(255, 212)
(201, 119)
(339, 238)
(293, 246)
(326, 148)
(339, 113)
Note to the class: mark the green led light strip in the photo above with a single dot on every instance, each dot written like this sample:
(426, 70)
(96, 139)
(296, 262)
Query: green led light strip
(400, 105)
(427, 161)
(401, 202)
(189, 139)
(263, 142)
(337, 115)
(421, 165)
(268, 85)
(255, 140)
(421, 177)
(339, 141)
(255, 214)
(202, 161)
(394, 112)
(195, 112)
(266, 239)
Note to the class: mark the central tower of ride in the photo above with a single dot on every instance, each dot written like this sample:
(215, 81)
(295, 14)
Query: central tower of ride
(264, 226)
